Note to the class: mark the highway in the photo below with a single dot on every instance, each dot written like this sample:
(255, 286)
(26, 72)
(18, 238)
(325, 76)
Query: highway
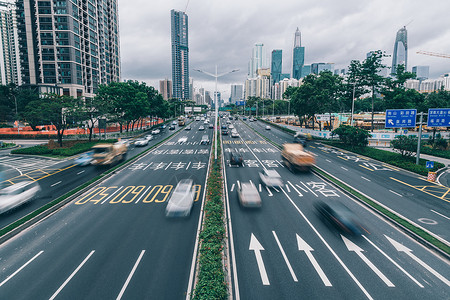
(114, 241)
(284, 250)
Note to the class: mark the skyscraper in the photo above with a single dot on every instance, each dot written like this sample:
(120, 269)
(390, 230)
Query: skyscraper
(165, 88)
(422, 72)
(258, 60)
(68, 47)
(277, 61)
(180, 55)
(237, 91)
(298, 57)
(400, 56)
(9, 45)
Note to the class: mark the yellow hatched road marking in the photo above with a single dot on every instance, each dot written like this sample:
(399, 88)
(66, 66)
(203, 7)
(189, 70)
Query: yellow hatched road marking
(366, 168)
(342, 158)
(36, 177)
(423, 189)
(312, 147)
(388, 166)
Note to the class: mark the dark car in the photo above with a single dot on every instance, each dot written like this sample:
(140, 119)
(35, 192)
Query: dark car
(244, 118)
(339, 216)
(172, 127)
(236, 159)
(224, 131)
(224, 127)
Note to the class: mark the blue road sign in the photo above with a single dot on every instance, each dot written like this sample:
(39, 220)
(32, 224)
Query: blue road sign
(430, 164)
(398, 118)
(240, 103)
(438, 117)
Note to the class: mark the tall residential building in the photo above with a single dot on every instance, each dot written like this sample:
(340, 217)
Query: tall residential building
(400, 56)
(9, 45)
(316, 68)
(422, 72)
(277, 62)
(180, 55)
(298, 57)
(165, 88)
(258, 60)
(237, 92)
(69, 47)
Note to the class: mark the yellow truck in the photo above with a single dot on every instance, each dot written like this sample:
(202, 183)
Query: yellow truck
(181, 121)
(108, 154)
(296, 158)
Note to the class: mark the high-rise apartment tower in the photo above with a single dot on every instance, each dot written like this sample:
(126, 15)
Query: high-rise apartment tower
(180, 55)
(9, 44)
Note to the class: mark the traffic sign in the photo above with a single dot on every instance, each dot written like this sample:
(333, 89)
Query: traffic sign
(430, 164)
(240, 103)
(398, 118)
(438, 117)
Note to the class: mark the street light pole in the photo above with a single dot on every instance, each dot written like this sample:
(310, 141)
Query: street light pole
(17, 114)
(353, 101)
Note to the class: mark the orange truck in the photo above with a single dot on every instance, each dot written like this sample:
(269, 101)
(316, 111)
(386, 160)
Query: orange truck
(296, 158)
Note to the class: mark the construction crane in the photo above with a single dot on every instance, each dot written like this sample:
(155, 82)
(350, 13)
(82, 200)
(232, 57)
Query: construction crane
(433, 54)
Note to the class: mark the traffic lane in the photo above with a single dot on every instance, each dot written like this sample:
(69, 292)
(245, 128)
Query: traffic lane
(253, 223)
(143, 226)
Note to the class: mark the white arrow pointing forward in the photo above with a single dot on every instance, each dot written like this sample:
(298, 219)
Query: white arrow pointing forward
(401, 248)
(257, 247)
(353, 247)
(303, 246)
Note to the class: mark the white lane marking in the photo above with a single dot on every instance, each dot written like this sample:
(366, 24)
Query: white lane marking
(285, 257)
(303, 246)
(281, 164)
(251, 182)
(401, 248)
(130, 276)
(344, 168)
(232, 187)
(81, 172)
(354, 248)
(260, 188)
(20, 269)
(276, 189)
(301, 188)
(256, 246)
(168, 166)
(239, 184)
(287, 187)
(395, 193)
(139, 199)
(328, 160)
(298, 192)
(188, 165)
(329, 248)
(148, 166)
(71, 275)
(392, 261)
(107, 198)
(309, 189)
(440, 214)
(365, 178)
(270, 193)
(312, 153)
(56, 183)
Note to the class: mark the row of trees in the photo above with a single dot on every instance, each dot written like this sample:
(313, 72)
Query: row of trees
(126, 103)
(329, 93)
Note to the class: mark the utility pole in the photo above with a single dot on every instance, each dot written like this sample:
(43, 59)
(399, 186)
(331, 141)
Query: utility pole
(419, 137)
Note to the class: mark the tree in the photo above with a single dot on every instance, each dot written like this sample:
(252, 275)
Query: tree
(396, 95)
(353, 136)
(405, 145)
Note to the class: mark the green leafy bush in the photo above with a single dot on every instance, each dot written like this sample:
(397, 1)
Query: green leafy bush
(353, 136)
(71, 148)
(35, 150)
(405, 145)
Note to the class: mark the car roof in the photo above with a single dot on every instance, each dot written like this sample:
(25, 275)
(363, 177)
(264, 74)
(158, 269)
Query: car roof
(272, 173)
(248, 187)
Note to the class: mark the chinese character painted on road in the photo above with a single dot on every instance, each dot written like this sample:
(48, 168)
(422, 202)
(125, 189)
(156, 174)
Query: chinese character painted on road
(198, 165)
(270, 163)
(251, 163)
(320, 187)
(178, 165)
(158, 166)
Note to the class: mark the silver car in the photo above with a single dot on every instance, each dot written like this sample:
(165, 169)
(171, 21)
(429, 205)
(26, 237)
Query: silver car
(271, 178)
(248, 195)
(141, 142)
(17, 194)
(182, 199)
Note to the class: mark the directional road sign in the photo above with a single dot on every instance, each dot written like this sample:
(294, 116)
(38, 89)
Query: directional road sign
(240, 103)
(438, 117)
(430, 164)
(398, 118)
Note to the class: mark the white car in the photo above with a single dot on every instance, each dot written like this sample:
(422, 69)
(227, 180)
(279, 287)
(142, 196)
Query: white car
(17, 194)
(205, 140)
(181, 201)
(141, 142)
(206, 121)
(182, 139)
(197, 119)
(156, 131)
(228, 122)
(149, 137)
(201, 127)
(234, 133)
(230, 126)
(248, 195)
(202, 119)
(271, 178)
(267, 127)
(174, 123)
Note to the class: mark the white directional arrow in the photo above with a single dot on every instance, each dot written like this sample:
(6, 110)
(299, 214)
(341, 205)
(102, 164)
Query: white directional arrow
(401, 248)
(390, 121)
(353, 247)
(303, 246)
(257, 247)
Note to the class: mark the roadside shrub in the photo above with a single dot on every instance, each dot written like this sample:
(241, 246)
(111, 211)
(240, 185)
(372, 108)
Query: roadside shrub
(405, 145)
(35, 150)
(353, 136)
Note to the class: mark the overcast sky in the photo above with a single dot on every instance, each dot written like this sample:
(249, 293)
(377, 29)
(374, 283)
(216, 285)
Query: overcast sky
(223, 33)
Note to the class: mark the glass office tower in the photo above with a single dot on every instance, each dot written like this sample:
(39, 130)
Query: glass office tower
(298, 58)
(277, 60)
(180, 55)
(400, 56)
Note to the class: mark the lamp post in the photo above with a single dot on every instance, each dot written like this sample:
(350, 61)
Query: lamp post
(353, 101)
(17, 114)
(216, 106)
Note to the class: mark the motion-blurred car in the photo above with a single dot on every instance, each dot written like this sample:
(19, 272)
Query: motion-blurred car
(205, 140)
(236, 159)
(84, 159)
(181, 201)
(248, 195)
(156, 131)
(17, 194)
(141, 142)
(188, 127)
(302, 138)
(270, 178)
(234, 133)
(211, 126)
(267, 127)
(340, 216)
(182, 139)
(149, 137)
(201, 127)
(163, 126)
(171, 127)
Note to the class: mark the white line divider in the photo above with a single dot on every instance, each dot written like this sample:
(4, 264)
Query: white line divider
(353, 247)
(72, 275)
(306, 191)
(239, 184)
(256, 246)
(303, 246)
(288, 189)
(309, 189)
(401, 248)
(444, 216)
(20, 269)
(393, 192)
(298, 192)
(107, 198)
(365, 178)
(285, 257)
(392, 261)
(122, 291)
(329, 248)
(232, 187)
